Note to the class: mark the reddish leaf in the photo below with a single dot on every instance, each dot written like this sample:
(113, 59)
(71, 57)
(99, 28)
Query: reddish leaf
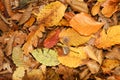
(52, 39)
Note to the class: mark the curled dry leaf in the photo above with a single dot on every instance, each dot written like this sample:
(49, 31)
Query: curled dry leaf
(109, 64)
(74, 58)
(26, 15)
(68, 37)
(112, 5)
(114, 53)
(84, 24)
(4, 27)
(51, 14)
(109, 38)
(93, 66)
(32, 40)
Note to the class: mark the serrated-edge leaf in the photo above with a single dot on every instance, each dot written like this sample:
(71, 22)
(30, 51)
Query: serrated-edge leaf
(46, 56)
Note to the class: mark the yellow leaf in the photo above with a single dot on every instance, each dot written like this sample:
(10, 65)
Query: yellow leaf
(72, 38)
(51, 14)
(109, 64)
(75, 58)
(32, 40)
(96, 8)
(110, 38)
(18, 73)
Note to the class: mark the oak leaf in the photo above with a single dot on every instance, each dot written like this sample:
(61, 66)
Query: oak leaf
(109, 38)
(32, 40)
(84, 24)
(51, 14)
(72, 38)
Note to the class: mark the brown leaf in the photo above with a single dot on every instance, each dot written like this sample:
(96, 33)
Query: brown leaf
(4, 27)
(26, 15)
(32, 40)
(1, 56)
(79, 6)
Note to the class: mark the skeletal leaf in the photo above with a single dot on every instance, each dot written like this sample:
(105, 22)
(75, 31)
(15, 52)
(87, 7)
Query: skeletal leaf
(51, 14)
(46, 56)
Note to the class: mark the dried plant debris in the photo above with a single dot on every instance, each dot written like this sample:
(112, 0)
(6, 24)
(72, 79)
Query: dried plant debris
(59, 39)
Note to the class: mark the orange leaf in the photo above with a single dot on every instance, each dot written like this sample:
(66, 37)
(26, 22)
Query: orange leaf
(32, 40)
(109, 38)
(52, 39)
(85, 24)
(112, 5)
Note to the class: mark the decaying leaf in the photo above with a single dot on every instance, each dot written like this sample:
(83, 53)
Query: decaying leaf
(35, 74)
(18, 73)
(17, 56)
(68, 37)
(84, 24)
(51, 39)
(1, 56)
(46, 56)
(4, 27)
(51, 14)
(74, 58)
(93, 66)
(109, 38)
(94, 54)
(109, 64)
(32, 40)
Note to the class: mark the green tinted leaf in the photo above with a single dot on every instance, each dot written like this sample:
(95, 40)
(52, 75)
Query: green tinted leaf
(46, 56)
(17, 56)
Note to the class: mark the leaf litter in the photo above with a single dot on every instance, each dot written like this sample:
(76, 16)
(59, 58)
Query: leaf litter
(59, 40)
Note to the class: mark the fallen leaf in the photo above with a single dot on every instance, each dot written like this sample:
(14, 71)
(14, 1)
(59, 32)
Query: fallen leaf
(109, 38)
(84, 24)
(77, 5)
(35, 74)
(51, 14)
(32, 40)
(1, 56)
(46, 56)
(4, 27)
(18, 73)
(93, 66)
(18, 57)
(52, 39)
(112, 5)
(74, 58)
(109, 64)
(68, 37)
(96, 8)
